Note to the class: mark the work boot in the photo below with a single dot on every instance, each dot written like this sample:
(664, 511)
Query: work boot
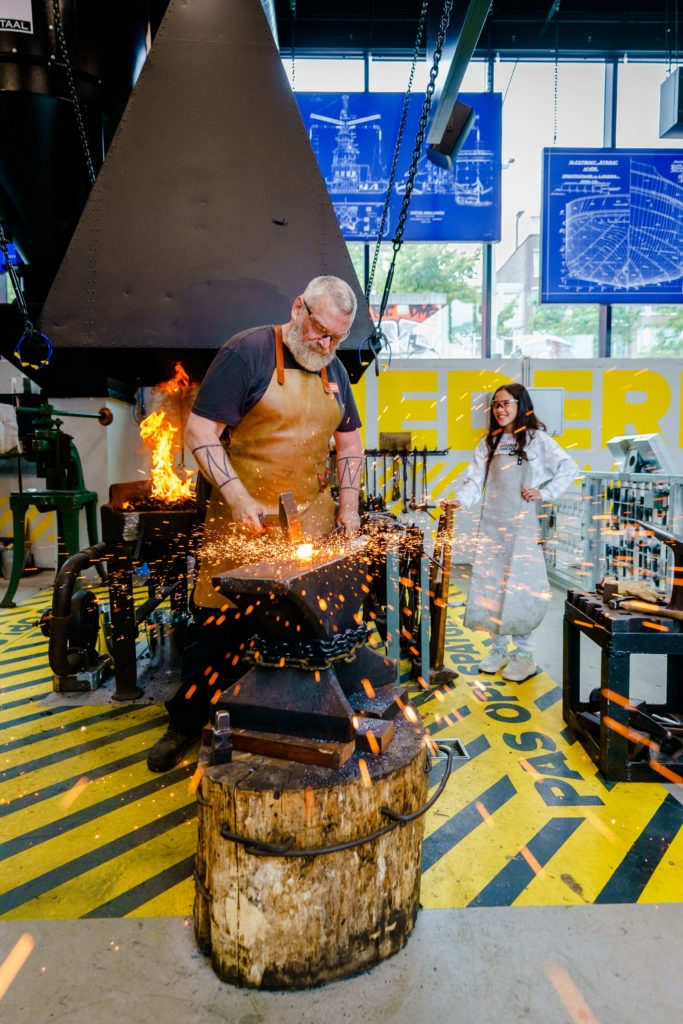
(522, 667)
(495, 660)
(168, 751)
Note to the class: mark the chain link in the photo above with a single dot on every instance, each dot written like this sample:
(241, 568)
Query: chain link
(292, 8)
(422, 128)
(399, 140)
(378, 338)
(315, 654)
(59, 28)
(557, 57)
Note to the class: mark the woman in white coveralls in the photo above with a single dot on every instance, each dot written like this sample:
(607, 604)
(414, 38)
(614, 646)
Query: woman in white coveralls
(514, 464)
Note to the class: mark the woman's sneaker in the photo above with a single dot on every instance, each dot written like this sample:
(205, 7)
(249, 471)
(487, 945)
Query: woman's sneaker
(494, 661)
(520, 668)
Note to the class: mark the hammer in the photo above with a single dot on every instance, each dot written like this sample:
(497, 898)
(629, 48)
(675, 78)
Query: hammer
(289, 518)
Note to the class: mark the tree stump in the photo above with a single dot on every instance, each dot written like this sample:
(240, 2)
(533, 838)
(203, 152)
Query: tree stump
(278, 922)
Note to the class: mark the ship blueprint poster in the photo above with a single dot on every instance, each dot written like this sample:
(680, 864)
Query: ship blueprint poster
(612, 226)
(354, 137)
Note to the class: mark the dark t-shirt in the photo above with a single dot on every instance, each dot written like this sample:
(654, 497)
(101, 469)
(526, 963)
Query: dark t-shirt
(242, 370)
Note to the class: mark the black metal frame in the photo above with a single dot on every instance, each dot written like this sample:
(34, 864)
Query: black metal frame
(611, 753)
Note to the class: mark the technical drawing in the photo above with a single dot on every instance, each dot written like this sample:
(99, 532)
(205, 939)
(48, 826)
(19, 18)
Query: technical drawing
(627, 241)
(612, 226)
(347, 173)
(471, 181)
(360, 219)
(354, 135)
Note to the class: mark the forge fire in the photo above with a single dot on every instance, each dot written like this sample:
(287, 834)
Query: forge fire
(163, 431)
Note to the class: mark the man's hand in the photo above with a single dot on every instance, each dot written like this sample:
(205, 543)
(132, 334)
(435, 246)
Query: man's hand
(450, 503)
(350, 520)
(244, 510)
(531, 494)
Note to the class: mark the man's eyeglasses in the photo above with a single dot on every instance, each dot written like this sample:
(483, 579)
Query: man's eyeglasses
(504, 405)
(323, 331)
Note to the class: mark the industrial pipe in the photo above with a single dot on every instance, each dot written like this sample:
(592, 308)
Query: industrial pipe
(62, 661)
(146, 609)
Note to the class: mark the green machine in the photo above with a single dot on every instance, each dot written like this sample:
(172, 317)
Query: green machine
(57, 460)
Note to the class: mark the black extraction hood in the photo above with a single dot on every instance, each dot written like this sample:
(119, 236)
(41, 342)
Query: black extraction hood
(209, 215)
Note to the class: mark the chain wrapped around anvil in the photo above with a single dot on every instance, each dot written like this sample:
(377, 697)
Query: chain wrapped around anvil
(313, 654)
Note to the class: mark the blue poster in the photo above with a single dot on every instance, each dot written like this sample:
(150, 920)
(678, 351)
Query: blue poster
(354, 137)
(612, 226)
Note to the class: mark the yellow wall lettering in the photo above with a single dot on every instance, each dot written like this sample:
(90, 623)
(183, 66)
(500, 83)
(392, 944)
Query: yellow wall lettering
(396, 412)
(462, 386)
(619, 416)
(574, 408)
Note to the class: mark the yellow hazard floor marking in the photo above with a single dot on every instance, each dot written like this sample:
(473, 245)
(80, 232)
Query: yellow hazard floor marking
(174, 902)
(537, 778)
(526, 821)
(666, 885)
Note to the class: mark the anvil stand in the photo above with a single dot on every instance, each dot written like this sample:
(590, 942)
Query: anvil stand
(312, 671)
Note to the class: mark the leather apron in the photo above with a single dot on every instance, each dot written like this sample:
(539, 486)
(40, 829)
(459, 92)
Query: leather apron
(509, 591)
(281, 444)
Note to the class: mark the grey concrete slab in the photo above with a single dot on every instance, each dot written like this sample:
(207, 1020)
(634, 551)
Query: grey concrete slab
(473, 966)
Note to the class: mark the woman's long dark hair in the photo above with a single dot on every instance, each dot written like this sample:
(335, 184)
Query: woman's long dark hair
(526, 423)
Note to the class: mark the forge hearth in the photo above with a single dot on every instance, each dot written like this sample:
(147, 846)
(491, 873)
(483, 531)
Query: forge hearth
(138, 528)
(309, 654)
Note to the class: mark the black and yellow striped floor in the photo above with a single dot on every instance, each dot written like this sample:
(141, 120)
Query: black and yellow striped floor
(87, 831)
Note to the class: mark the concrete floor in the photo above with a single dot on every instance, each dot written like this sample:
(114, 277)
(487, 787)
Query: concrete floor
(475, 966)
(610, 962)
(30, 586)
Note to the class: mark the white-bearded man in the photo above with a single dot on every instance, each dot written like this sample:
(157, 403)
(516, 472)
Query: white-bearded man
(261, 425)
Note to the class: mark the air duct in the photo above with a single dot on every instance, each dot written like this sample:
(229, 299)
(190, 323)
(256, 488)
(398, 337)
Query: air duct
(209, 215)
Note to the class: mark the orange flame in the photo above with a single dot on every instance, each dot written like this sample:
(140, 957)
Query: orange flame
(176, 385)
(159, 433)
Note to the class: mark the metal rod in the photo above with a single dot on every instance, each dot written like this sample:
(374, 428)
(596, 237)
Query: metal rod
(424, 616)
(261, 849)
(393, 598)
(609, 141)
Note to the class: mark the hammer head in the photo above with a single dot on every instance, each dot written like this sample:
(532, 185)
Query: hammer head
(289, 518)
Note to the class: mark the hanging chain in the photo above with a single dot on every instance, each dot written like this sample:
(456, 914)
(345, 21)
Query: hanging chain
(377, 334)
(557, 57)
(399, 140)
(292, 8)
(59, 28)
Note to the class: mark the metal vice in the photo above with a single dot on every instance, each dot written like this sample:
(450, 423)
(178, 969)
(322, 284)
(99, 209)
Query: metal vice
(58, 461)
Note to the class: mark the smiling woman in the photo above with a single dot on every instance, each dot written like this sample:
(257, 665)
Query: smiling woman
(509, 590)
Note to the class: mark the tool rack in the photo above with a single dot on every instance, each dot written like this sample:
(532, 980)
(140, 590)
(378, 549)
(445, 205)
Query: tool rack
(590, 535)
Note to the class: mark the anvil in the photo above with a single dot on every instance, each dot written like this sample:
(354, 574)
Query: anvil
(298, 686)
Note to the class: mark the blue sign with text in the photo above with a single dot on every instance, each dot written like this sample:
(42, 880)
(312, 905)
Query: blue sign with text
(354, 137)
(612, 226)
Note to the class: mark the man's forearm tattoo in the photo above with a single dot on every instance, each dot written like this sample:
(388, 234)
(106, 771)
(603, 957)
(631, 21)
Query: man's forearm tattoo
(349, 471)
(214, 463)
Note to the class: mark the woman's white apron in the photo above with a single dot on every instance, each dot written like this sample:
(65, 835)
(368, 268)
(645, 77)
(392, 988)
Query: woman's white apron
(509, 590)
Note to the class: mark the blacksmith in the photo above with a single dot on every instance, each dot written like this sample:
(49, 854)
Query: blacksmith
(261, 425)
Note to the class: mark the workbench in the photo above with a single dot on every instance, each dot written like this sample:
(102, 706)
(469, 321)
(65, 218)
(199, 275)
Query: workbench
(619, 634)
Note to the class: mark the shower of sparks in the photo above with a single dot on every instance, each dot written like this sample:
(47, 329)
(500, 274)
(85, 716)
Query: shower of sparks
(14, 961)
(74, 792)
(571, 997)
